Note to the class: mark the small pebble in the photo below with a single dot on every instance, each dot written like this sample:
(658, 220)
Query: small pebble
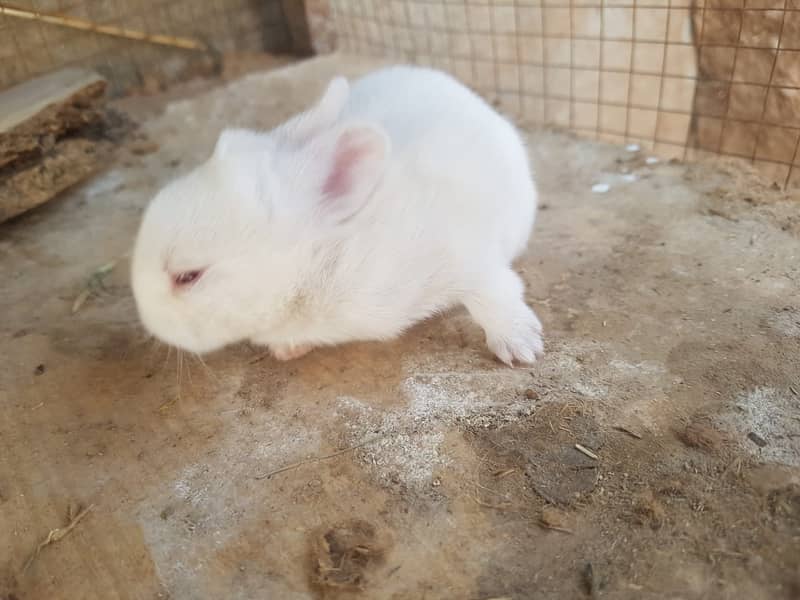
(632, 147)
(651, 160)
(531, 394)
(756, 439)
(39, 370)
(600, 188)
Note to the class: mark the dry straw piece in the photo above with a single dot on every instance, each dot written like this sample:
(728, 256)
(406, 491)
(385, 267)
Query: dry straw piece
(112, 30)
(55, 535)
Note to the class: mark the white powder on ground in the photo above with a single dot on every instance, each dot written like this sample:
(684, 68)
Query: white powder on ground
(774, 416)
(639, 368)
(407, 449)
(210, 496)
(786, 322)
(439, 393)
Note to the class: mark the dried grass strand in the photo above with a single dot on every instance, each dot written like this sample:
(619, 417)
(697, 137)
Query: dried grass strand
(110, 30)
(55, 535)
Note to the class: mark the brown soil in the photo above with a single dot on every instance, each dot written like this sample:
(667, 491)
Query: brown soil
(673, 334)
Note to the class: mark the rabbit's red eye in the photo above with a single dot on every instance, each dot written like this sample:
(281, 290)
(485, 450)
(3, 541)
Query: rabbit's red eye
(186, 278)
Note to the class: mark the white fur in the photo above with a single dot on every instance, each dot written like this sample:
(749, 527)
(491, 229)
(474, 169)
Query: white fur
(437, 201)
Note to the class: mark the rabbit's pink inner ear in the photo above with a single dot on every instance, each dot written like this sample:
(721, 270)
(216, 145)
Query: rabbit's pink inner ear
(357, 152)
(346, 157)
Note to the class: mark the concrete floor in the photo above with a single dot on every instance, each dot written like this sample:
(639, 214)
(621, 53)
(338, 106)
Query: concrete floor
(671, 307)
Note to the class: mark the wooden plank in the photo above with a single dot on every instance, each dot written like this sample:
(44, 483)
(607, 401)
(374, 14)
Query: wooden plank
(54, 132)
(47, 107)
(23, 101)
(70, 162)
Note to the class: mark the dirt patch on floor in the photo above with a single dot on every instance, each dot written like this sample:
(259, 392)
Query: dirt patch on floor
(342, 556)
(651, 454)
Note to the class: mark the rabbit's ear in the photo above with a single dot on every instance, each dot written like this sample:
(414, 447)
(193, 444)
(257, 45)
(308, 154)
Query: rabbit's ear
(240, 142)
(323, 115)
(342, 168)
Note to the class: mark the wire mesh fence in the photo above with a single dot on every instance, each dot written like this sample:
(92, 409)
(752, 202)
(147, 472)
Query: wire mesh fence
(681, 78)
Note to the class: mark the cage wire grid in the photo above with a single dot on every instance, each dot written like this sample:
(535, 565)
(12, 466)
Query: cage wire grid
(684, 79)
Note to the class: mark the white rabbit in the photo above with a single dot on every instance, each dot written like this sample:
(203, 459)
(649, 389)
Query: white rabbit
(384, 204)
